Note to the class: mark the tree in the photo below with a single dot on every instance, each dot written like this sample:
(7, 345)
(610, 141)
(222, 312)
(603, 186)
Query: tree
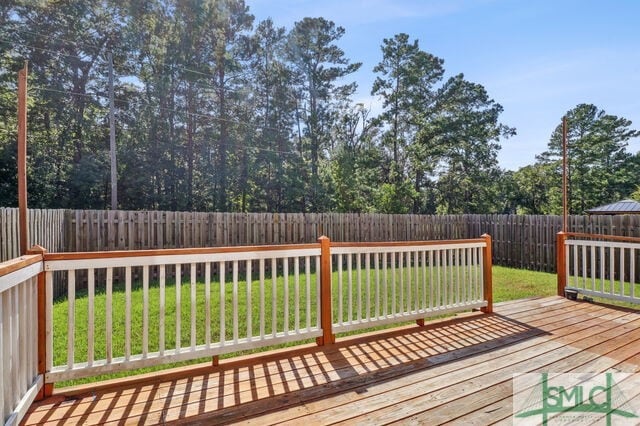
(9, 66)
(66, 44)
(533, 189)
(191, 70)
(320, 64)
(600, 169)
(233, 23)
(275, 173)
(214, 115)
(443, 136)
(355, 162)
(406, 84)
(153, 151)
(467, 136)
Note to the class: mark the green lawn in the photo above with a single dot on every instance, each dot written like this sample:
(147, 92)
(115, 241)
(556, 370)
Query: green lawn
(513, 284)
(508, 284)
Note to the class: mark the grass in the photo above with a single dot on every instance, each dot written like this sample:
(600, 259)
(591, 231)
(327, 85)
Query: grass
(61, 308)
(508, 284)
(513, 284)
(607, 287)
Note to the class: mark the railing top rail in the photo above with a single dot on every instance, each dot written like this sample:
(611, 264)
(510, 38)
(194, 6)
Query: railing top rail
(19, 263)
(16, 271)
(603, 237)
(175, 252)
(373, 244)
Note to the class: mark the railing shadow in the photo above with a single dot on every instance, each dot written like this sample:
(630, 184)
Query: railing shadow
(257, 385)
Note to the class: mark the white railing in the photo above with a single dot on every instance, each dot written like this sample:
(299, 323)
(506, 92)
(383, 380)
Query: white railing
(245, 298)
(19, 378)
(601, 266)
(136, 309)
(391, 282)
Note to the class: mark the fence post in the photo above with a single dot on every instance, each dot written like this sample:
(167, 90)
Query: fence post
(561, 266)
(325, 293)
(47, 388)
(487, 278)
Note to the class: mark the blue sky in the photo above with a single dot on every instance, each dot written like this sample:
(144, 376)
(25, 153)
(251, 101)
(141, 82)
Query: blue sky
(537, 58)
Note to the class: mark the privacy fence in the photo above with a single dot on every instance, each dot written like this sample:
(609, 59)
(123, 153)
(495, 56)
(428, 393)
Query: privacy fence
(518, 241)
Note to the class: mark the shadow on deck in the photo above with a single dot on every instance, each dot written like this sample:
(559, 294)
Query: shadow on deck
(457, 369)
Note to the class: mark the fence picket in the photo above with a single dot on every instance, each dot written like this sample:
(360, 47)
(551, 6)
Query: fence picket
(520, 241)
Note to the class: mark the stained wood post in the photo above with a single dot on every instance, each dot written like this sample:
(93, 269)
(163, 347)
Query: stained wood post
(47, 388)
(565, 177)
(561, 265)
(487, 276)
(325, 293)
(22, 158)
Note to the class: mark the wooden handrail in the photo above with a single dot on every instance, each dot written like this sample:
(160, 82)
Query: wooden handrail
(174, 252)
(240, 249)
(619, 238)
(407, 243)
(561, 261)
(19, 263)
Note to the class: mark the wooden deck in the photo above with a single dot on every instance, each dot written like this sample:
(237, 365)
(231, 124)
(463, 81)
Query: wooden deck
(456, 370)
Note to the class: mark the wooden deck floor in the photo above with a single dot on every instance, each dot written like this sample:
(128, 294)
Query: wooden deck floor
(453, 371)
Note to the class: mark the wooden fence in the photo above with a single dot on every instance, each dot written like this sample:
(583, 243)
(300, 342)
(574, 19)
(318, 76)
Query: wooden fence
(45, 228)
(519, 241)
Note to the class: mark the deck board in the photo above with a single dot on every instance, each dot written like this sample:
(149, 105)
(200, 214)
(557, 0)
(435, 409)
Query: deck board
(402, 403)
(451, 371)
(475, 404)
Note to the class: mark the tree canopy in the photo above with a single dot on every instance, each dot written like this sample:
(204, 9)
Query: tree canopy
(218, 112)
(600, 169)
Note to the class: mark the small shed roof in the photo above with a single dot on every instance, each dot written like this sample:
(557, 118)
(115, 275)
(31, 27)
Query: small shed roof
(620, 207)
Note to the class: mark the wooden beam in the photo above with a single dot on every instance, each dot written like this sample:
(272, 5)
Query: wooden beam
(561, 266)
(22, 158)
(617, 238)
(408, 243)
(176, 252)
(42, 321)
(325, 293)
(565, 173)
(18, 263)
(487, 278)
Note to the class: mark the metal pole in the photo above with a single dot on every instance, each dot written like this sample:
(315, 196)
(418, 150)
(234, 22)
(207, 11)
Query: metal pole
(565, 211)
(112, 140)
(22, 158)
